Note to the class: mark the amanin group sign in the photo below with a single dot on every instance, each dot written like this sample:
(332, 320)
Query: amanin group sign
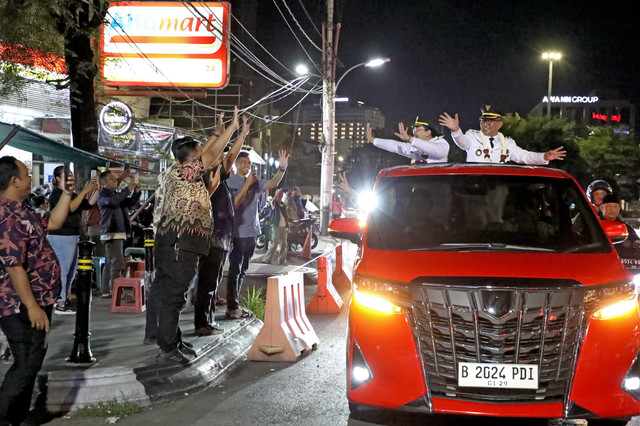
(166, 44)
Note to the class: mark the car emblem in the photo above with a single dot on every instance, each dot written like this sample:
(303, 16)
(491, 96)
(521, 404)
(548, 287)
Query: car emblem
(497, 303)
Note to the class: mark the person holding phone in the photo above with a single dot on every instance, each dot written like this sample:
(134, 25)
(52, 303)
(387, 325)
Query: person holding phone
(114, 226)
(65, 240)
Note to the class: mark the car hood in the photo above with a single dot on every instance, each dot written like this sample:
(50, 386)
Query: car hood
(406, 266)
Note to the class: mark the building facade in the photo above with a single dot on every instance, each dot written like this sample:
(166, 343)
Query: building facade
(350, 121)
(588, 110)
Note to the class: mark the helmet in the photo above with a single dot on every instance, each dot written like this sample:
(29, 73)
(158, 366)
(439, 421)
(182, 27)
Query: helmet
(595, 185)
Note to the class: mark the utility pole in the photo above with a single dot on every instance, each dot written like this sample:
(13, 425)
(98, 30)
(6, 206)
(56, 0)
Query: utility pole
(328, 121)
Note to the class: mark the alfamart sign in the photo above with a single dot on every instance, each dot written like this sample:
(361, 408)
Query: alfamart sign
(166, 44)
(571, 99)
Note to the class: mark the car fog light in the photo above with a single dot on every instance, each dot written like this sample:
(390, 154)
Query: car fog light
(619, 309)
(631, 383)
(360, 374)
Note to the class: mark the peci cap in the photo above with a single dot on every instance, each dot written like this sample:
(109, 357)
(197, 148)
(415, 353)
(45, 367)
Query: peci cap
(420, 121)
(611, 197)
(489, 112)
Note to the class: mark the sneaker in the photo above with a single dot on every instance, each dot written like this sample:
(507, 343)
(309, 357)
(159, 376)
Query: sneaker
(208, 330)
(64, 310)
(187, 349)
(174, 356)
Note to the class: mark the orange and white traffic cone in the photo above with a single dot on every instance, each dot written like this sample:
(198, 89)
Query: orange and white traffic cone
(306, 250)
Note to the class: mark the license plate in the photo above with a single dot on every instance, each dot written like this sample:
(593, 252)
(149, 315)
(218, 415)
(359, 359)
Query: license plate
(508, 376)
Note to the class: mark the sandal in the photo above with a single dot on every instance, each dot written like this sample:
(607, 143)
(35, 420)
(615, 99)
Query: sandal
(238, 314)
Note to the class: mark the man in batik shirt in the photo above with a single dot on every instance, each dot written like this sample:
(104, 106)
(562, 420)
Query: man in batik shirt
(29, 283)
(183, 225)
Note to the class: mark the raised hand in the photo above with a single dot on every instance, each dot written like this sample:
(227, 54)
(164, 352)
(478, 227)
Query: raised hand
(283, 159)
(555, 154)
(219, 125)
(452, 123)
(234, 122)
(402, 132)
(245, 126)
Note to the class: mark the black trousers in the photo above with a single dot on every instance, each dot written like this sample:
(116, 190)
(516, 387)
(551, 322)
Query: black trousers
(29, 347)
(239, 258)
(168, 292)
(209, 278)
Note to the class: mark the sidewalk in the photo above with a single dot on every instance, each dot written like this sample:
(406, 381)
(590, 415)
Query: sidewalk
(125, 368)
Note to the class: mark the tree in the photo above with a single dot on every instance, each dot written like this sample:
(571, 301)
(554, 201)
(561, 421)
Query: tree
(65, 27)
(542, 134)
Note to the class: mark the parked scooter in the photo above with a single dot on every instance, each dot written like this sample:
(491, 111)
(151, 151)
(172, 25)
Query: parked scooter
(299, 230)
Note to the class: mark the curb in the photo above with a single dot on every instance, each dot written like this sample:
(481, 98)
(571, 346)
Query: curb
(75, 388)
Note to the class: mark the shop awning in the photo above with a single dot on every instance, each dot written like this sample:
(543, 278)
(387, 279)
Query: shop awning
(28, 140)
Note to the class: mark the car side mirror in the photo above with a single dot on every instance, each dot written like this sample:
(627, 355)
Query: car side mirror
(346, 228)
(616, 231)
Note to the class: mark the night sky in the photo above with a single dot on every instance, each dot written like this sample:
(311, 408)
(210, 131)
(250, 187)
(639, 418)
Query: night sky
(456, 55)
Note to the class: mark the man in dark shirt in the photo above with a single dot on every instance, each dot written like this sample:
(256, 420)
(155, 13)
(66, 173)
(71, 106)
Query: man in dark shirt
(210, 266)
(29, 284)
(183, 224)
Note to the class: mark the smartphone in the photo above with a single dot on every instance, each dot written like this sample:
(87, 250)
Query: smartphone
(136, 178)
(94, 173)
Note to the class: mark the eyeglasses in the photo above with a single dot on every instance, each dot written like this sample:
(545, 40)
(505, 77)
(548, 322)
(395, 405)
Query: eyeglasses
(414, 128)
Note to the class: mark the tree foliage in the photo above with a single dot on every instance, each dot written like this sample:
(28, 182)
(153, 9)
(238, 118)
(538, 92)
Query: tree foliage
(67, 28)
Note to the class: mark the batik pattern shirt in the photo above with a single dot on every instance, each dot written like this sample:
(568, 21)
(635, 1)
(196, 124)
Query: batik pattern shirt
(183, 207)
(23, 242)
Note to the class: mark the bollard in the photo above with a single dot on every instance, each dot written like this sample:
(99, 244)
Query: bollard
(151, 326)
(81, 352)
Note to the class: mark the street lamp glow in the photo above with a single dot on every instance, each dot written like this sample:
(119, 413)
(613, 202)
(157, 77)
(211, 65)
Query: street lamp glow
(377, 62)
(302, 69)
(552, 56)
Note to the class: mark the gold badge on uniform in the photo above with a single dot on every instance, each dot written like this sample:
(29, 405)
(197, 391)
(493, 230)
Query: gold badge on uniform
(478, 152)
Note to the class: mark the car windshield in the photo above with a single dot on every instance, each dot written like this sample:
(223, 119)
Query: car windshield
(483, 213)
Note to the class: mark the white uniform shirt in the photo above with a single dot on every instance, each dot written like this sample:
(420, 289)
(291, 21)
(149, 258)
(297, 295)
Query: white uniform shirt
(435, 150)
(472, 143)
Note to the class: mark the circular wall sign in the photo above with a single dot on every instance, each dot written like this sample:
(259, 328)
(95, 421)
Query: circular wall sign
(116, 118)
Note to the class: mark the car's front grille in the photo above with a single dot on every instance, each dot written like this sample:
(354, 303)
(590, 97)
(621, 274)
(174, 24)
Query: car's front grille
(535, 325)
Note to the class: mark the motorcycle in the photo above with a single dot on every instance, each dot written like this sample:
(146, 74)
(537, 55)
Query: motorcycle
(299, 231)
(297, 235)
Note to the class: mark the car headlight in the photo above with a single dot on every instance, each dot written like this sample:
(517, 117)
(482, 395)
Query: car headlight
(384, 297)
(609, 302)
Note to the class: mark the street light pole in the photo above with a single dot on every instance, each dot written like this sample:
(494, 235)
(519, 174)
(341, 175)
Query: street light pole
(550, 56)
(328, 130)
(328, 122)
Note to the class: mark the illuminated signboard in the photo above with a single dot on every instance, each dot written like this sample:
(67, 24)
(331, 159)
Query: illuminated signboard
(604, 117)
(166, 44)
(571, 99)
(116, 118)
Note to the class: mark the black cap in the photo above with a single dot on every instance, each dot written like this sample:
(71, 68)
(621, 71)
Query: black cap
(420, 121)
(611, 197)
(490, 112)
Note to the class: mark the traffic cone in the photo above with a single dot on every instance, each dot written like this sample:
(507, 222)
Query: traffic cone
(306, 250)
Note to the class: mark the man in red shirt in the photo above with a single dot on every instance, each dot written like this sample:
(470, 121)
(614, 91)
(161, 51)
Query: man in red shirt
(29, 283)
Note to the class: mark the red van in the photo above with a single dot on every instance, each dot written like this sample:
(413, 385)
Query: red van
(489, 290)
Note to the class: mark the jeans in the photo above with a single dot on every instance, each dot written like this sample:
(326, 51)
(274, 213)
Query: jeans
(113, 264)
(171, 282)
(29, 347)
(239, 258)
(66, 249)
(209, 277)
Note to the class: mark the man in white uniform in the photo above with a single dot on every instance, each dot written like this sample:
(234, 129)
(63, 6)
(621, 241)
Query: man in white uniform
(490, 146)
(425, 146)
